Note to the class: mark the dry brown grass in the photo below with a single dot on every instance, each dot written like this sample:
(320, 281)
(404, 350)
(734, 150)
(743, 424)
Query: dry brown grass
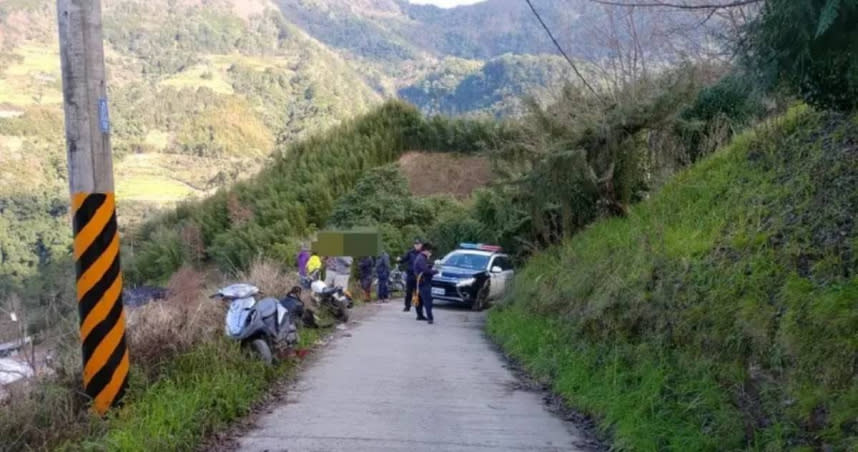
(39, 413)
(42, 413)
(270, 277)
(159, 331)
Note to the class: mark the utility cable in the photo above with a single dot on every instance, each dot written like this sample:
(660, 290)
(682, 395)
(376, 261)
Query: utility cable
(560, 48)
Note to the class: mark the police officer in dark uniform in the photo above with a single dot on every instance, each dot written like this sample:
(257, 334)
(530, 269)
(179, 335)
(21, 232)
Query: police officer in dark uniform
(424, 271)
(410, 278)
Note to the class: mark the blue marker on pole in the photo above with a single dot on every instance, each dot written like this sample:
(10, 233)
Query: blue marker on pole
(103, 115)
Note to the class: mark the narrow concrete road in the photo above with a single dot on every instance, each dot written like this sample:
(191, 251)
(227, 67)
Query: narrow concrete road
(396, 384)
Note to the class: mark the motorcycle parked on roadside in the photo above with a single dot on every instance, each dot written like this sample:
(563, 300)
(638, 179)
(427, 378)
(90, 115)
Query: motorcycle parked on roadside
(335, 300)
(262, 326)
(396, 281)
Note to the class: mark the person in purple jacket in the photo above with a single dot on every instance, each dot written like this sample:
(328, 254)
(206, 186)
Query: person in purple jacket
(302, 259)
(424, 271)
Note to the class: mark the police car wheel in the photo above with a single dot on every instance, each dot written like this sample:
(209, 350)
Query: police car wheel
(481, 299)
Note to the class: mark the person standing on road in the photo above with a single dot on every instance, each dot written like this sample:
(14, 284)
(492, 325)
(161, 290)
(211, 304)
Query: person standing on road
(382, 271)
(410, 278)
(337, 271)
(424, 271)
(365, 267)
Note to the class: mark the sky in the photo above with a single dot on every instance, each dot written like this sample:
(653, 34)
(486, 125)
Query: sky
(445, 3)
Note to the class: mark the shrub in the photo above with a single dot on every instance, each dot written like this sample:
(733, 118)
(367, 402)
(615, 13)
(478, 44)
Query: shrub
(159, 331)
(269, 276)
(160, 255)
(735, 97)
(719, 315)
(812, 47)
(453, 228)
(719, 111)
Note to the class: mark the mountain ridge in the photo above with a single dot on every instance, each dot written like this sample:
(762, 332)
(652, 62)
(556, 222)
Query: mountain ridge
(202, 91)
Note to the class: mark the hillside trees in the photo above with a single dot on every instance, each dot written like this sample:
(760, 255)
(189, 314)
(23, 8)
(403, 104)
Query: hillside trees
(381, 198)
(808, 47)
(296, 193)
(587, 157)
(812, 47)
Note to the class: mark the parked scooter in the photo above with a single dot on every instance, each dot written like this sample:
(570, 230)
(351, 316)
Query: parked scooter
(396, 281)
(261, 325)
(334, 299)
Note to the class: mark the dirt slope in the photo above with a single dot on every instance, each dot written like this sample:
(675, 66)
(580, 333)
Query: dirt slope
(437, 173)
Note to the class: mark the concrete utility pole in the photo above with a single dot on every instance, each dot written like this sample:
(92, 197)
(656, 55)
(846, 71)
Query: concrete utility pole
(96, 238)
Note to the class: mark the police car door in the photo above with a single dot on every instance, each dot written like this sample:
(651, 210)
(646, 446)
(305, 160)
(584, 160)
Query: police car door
(498, 280)
(506, 274)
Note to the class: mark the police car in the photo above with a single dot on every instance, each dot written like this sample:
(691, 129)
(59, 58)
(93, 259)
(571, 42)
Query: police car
(474, 275)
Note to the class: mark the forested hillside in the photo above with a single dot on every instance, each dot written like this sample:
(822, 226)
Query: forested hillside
(271, 214)
(499, 87)
(201, 93)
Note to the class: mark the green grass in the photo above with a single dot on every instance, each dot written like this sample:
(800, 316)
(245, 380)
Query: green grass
(720, 315)
(33, 78)
(152, 188)
(200, 76)
(35, 59)
(197, 394)
(157, 139)
(257, 63)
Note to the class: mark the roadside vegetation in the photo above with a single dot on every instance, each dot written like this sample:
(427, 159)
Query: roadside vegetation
(719, 313)
(187, 381)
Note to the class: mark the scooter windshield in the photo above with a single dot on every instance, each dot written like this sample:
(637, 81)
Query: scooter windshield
(236, 318)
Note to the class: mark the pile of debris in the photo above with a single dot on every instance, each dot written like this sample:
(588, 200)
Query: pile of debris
(13, 366)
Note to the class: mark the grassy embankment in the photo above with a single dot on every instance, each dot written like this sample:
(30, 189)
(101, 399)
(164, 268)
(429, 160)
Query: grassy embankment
(199, 393)
(720, 314)
(187, 380)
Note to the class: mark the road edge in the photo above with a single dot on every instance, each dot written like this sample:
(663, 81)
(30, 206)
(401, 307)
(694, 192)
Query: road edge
(226, 439)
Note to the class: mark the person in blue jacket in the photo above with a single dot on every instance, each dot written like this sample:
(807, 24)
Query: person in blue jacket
(365, 271)
(407, 261)
(382, 271)
(424, 272)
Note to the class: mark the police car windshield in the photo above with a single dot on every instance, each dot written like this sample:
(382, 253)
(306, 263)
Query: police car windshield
(467, 260)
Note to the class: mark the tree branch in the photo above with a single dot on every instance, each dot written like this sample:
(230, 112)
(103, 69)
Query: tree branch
(661, 4)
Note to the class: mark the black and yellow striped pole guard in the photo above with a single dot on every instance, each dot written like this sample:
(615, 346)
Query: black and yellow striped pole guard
(99, 297)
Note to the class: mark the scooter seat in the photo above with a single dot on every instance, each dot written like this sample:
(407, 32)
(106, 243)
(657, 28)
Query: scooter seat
(267, 307)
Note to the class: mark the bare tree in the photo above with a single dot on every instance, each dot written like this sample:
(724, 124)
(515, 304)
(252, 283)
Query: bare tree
(685, 5)
(626, 41)
(731, 16)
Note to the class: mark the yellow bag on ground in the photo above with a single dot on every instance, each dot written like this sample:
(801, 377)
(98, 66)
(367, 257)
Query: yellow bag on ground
(415, 298)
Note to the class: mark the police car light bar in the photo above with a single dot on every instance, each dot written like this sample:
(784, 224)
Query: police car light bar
(480, 246)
